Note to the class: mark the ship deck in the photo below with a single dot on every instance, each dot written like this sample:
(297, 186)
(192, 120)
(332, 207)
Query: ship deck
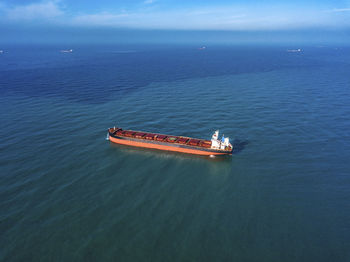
(169, 142)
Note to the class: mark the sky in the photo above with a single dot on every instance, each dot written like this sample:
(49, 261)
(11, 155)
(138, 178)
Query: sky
(158, 20)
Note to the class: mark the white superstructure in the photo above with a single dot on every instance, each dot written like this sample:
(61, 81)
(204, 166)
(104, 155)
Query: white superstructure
(219, 144)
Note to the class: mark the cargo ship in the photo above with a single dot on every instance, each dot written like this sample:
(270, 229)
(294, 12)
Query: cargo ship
(182, 144)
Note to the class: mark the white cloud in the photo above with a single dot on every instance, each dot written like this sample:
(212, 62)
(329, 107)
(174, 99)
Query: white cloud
(220, 18)
(34, 11)
(198, 18)
(101, 19)
(148, 2)
(340, 10)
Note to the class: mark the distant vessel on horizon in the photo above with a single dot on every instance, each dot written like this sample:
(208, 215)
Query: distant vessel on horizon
(67, 51)
(294, 50)
(202, 48)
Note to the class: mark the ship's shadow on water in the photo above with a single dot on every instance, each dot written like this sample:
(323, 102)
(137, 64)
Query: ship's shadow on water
(239, 145)
(148, 152)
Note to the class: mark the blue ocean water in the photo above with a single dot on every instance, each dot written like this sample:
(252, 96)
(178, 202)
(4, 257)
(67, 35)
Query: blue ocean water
(68, 194)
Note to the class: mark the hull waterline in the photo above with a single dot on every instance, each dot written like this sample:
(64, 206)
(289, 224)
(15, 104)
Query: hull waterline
(164, 147)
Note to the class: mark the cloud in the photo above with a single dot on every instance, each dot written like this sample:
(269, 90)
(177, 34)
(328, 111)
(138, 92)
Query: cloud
(219, 18)
(34, 11)
(148, 2)
(159, 20)
(230, 17)
(101, 19)
(340, 10)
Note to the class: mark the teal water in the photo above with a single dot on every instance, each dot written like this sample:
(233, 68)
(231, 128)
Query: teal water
(67, 194)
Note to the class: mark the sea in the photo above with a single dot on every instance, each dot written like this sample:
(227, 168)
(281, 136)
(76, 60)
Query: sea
(68, 194)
